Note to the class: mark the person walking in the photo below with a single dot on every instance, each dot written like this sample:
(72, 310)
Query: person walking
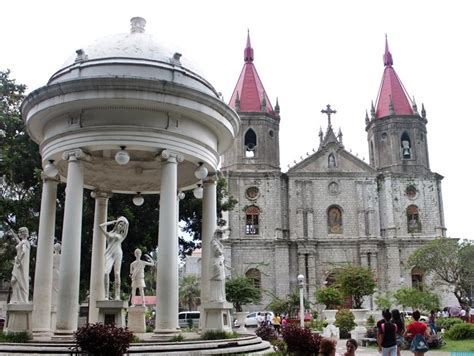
(398, 321)
(418, 332)
(387, 335)
(327, 347)
(351, 347)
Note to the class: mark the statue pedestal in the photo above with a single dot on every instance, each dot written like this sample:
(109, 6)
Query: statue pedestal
(136, 319)
(217, 316)
(19, 317)
(112, 311)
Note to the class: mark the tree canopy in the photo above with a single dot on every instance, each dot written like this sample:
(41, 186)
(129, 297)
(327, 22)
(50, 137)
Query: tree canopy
(450, 262)
(240, 291)
(356, 282)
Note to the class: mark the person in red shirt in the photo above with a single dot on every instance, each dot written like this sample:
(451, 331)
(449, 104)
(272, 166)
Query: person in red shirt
(416, 327)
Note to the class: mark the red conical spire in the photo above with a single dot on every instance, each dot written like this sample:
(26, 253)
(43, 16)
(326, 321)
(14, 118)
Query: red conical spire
(249, 88)
(392, 98)
(248, 52)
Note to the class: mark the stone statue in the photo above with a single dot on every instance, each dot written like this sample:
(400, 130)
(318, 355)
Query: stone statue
(21, 267)
(137, 274)
(113, 252)
(217, 272)
(55, 284)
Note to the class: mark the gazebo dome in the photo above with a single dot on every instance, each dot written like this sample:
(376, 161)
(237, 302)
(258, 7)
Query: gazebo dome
(128, 92)
(133, 54)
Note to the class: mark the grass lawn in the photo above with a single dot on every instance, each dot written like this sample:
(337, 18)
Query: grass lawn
(458, 345)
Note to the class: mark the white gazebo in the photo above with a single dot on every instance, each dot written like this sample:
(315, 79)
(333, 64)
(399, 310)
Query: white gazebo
(126, 116)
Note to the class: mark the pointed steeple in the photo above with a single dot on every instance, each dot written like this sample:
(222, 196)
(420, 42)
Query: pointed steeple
(392, 97)
(249, 88)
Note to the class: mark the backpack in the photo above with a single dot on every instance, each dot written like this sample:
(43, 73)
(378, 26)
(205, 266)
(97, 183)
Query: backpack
(419, 344)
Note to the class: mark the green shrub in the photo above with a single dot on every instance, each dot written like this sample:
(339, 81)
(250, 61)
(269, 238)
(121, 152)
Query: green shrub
(100, 339)
(218, 335)
(461, 332)
(370, 321)
(17, 337)
(317, 324)
(447, 323)
(279, 346)
(345, 322)
(177, 338)
(331, 297)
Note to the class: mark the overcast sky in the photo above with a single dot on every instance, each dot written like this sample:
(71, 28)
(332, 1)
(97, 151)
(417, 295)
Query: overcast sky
(307, 53)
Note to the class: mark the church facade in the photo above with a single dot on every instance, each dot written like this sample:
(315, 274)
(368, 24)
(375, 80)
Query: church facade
(332, 208)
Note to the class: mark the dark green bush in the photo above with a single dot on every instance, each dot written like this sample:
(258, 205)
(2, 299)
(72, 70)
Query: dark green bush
(461, 332)
(18, 337)
(345, 322)
(447, 323)
(218, 335)
(266, 332)
(300, 341)
(103, 340)
(177, 338)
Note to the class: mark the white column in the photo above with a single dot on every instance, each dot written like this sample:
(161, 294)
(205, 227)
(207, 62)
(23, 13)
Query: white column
(96, 288)
(209, 226)
(167, 270)
(69, 271)
(44, 259)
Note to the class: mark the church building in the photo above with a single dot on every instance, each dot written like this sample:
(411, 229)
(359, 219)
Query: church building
(332, 208)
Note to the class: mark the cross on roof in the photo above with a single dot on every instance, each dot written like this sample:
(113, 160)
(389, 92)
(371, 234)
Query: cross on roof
(328, 111)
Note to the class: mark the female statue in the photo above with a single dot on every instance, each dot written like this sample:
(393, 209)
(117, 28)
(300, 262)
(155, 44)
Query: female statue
(113, 252)
(217, 273)
(137, 273)
(21, 267)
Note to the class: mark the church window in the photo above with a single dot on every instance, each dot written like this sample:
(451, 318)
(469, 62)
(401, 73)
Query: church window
(411, 192)
(406, 146)
(252, 193)
(334, 220)
(413, 219)
(384, 136)
(417, 275)
(255, 276)
(305, 223)
(331, 160)
(251, 220)
(250, 142)
(271, 133)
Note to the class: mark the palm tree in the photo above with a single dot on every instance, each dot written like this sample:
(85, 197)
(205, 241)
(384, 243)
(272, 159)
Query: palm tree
(189, 292)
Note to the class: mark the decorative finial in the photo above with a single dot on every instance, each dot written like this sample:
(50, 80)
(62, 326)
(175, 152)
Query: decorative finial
(372, 110)
(367, 121)
(321, 135)
(81, 55)
(423, 111)
(387, 57)
(339, 135)
(175, 59)
(277, 107)
(263, 106)
(328, 111)
(415, 107)
(237, 101)
(390, 106)
(248, 52)
(137, 25)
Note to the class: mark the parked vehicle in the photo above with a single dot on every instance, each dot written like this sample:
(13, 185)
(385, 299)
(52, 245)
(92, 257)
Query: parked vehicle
(189, 319)
(253, 319)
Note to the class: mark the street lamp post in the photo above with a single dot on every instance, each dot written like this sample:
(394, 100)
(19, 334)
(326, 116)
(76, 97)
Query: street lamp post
(301, 285)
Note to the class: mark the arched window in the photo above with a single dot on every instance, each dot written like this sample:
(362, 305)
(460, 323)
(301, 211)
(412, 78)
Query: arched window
(250, 143)
(372, 159)
(251, 220)
(413, 219)
(417, 275)
(334, 220)
(405, 146)
(255, 276)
